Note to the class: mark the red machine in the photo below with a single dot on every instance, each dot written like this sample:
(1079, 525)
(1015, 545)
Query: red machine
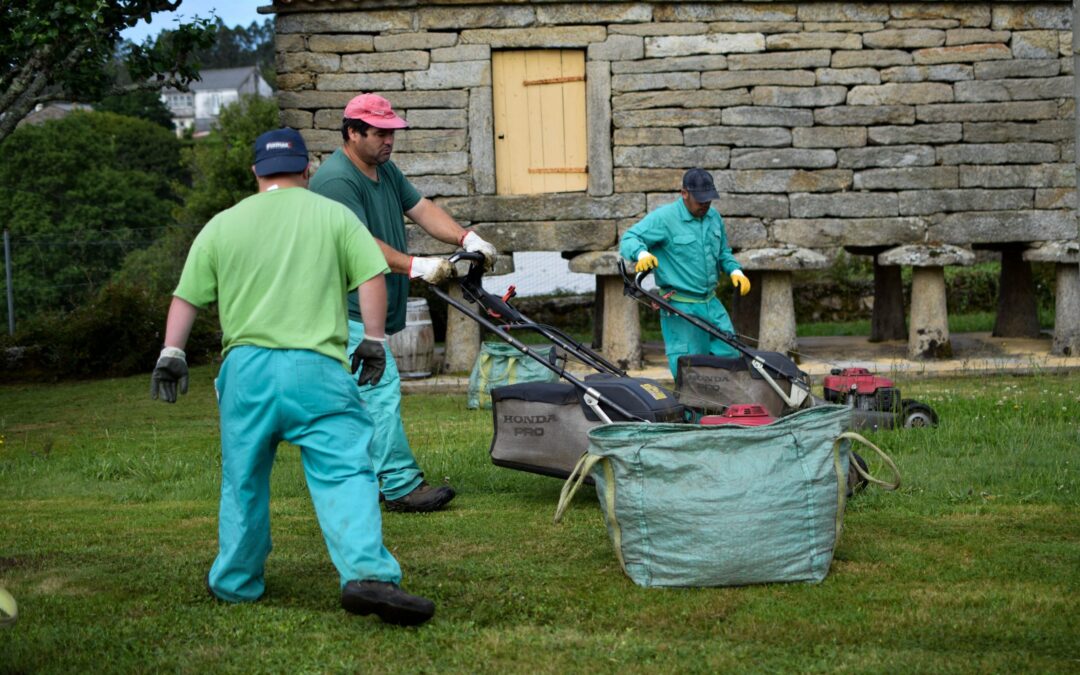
(875, 400)
(743, 415)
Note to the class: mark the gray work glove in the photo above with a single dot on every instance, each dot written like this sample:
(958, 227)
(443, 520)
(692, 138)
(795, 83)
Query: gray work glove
(171, 370)
(432, 270)
(371, 352)
(472, 243)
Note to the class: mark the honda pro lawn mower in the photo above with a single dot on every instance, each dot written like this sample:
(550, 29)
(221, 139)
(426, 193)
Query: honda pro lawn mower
(774, 381)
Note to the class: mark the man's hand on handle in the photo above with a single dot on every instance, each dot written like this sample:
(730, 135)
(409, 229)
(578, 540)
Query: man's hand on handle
(740, 281)
(472, 243)
(645, 262)
(432, 270)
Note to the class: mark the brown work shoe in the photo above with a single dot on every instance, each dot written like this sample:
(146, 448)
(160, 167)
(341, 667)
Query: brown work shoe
(422, 499)
(387, 601)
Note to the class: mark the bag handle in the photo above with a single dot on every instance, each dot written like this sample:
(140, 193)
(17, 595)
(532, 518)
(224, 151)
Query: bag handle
(852, 436)
(574, 482)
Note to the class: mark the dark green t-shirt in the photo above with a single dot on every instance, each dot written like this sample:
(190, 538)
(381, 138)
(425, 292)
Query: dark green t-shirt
(381, 205)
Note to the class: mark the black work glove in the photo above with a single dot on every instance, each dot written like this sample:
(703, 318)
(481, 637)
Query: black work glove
(371, 352)
(171, 370)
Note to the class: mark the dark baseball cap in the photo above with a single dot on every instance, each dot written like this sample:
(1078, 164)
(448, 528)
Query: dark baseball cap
(280, 151)
(699, 183)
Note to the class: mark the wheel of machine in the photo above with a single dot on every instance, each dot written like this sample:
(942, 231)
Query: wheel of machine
(917, 415)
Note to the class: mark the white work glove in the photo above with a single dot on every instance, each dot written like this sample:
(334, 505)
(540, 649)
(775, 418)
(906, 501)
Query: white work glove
(432, 270)
(739, 280)
(645, 262)
(472, 243)
(170, 372)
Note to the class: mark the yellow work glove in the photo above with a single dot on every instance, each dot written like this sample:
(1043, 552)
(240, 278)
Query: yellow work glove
(739, 281)
(645, 262)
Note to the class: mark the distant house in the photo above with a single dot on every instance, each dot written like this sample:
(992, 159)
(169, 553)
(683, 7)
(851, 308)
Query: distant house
(198, 108)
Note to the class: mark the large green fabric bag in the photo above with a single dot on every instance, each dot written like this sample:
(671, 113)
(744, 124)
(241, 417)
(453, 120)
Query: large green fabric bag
(690, 505)
(499, 364)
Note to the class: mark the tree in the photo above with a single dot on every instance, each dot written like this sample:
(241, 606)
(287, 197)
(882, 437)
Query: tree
(60, 49)
(141, 103)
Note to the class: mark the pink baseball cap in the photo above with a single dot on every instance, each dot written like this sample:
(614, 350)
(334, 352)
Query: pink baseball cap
(375, 110)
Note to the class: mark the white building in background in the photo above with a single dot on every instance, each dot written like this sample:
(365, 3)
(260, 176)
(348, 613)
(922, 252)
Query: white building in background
(198, 108)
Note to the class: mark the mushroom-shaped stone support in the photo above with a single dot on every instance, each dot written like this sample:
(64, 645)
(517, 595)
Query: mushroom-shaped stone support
(1066, 255)
(928, 327)
(621, 330)
(776, 330)
(462, 333)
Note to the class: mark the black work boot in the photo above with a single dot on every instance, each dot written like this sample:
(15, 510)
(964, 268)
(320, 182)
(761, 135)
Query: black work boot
(422, 499)
(387, 601)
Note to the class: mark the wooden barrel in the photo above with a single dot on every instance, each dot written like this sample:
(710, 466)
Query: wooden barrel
(414, 346)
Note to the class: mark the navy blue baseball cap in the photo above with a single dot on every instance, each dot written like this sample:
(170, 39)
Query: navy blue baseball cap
(699, 183)
(280, 151)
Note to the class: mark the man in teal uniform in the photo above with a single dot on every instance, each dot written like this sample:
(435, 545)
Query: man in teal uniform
(279, 264)
(686, 243)
(361, 176)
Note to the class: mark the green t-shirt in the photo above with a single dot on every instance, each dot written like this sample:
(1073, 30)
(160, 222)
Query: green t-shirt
(381, 205)
(279, 264)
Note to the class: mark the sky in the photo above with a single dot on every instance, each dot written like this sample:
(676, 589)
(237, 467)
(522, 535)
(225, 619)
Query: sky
(232, 12)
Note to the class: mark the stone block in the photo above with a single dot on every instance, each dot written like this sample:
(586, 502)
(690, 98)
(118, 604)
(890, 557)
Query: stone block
(700, 64)
(987, 112)
(949, 132)
(997, 70)
(598, 118)
(409, 41)
(760, 137)
(829, 137)
(843, 12)
(1055, 198)
(356, 82)
(1005, 132)
(554, 206)
(817, 58)
(1039, 175)
(761, 116)
(297, 119)
(937, 24)
(962, 53)
(1035, 44)
(972, 15)
(666, 28)
(724, 12)
(318, 141)
(341, 44)
(926, 202)
(714, 98)
(420, 163)
(617, 48)
(844, 205)
(437, 119)
(426, 140)
(970, 36)
(833, 232)
(798, 97)
(862, 115)
(808, 40)
(458, 75)
(294, 43)
(732, 79)
(845, 76)
(871, 58)
(667, 117)
(997, 153)
(766, 27)
(441, 186)
(647, 81)
(546, 37)
(842, 26)
(982, 227)
(343, 22)
(646, 180)
(593, 12)
(926, 255)
(669, 156)
(758, 206)
(461, 53)
(892, 156)
(1023, 16)
(652, 136)
(596, 262)
(908, 178)
(909, 38)
(783, 180)
(947, 72)
(979, 91)
(1061, 252)
(781, 259)
(310, 62)
(915, 93)
(458, 17)
(746, 232)
(782, 158)
(482, 141)
(716, 43)
(561, 235)
(295, 82)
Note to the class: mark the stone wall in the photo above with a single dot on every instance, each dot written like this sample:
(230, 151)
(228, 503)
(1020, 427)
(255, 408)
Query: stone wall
(825, 124)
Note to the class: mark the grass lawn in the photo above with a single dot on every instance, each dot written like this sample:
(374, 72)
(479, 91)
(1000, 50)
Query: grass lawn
(108, 526)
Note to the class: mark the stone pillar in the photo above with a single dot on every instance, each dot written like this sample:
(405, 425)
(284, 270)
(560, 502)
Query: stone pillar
(887, 316)
(773, 267)
(1017, 308)
(621, 329)
(462, 332)
(928, 326)
(1066, 255)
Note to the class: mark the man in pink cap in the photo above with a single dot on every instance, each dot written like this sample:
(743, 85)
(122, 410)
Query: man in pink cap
(361, 176)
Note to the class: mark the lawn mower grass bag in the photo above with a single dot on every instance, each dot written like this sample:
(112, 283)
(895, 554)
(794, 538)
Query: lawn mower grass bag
(689, 505)
(710, 383)
(542, 427)
(500, 364)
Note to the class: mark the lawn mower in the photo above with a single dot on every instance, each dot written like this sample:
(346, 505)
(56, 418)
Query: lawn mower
(703, 379)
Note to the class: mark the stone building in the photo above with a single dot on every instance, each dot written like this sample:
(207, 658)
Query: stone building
(914, 132)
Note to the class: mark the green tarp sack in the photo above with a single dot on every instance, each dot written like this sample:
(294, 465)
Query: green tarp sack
(690, 505)
(499, 364)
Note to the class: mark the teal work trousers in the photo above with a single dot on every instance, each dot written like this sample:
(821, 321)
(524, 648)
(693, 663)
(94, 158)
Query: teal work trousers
(391, 456)
(681, 337)
(266, 396)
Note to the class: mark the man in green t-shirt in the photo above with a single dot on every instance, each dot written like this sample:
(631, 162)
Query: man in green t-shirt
(279, 264)
(361, 176)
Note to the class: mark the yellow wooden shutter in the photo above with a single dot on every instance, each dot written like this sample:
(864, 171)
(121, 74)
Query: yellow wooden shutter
(539, 110)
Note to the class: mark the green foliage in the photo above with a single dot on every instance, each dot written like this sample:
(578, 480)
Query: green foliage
(141, 103)
(78, 194)
(241, 46)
